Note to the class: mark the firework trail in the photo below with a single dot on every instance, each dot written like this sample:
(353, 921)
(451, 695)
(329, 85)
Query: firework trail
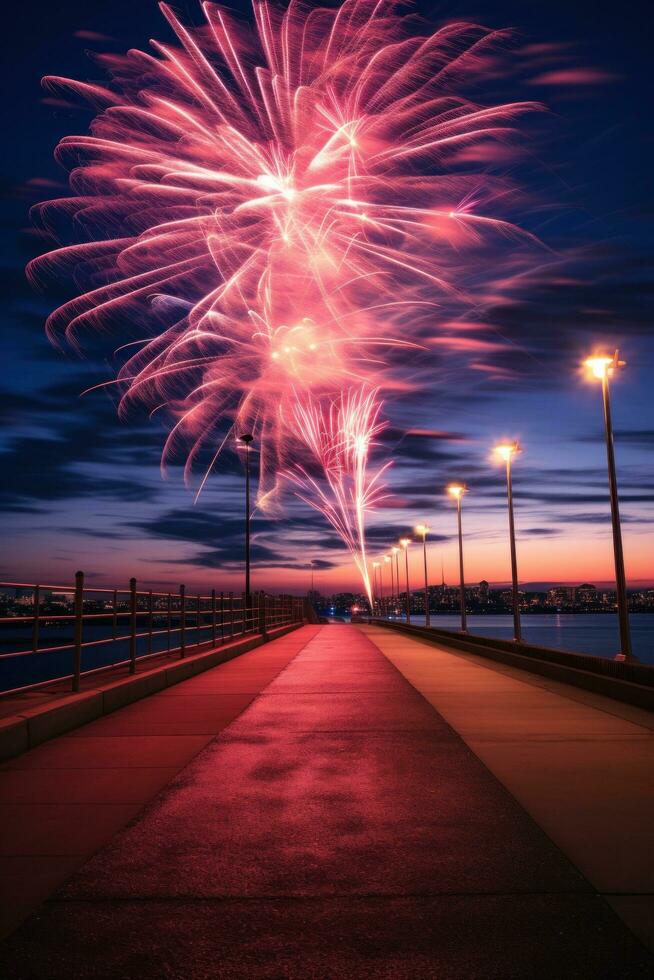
(339, 436)
(268, 216)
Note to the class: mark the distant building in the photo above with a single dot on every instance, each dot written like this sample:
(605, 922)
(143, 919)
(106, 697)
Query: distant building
(586, 595)
(561, 596)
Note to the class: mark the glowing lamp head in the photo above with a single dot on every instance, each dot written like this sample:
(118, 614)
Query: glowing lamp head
(602, 366)
(599, 366)
(405, 542)
(507, 450)
(457, 490)
(387, 558)
(421, 529)
(375, 564)
(394, 550)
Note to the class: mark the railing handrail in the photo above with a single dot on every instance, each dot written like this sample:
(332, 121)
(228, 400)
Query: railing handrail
(634, 672)
(223, 615)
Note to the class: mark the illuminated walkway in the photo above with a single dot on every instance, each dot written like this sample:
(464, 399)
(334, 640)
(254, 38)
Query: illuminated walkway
(338, 827)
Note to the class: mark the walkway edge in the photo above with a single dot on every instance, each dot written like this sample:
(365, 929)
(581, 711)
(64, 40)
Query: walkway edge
(612, 687)
(32, 727)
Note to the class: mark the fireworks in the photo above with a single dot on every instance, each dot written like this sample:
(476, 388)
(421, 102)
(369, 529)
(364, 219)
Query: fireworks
(278, 210)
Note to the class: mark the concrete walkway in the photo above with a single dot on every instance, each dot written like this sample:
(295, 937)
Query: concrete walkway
(64, 800)
(581, 764)
(338, 827)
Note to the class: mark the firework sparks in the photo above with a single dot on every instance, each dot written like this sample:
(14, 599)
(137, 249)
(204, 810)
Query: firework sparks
(277, 209)
(340, 436)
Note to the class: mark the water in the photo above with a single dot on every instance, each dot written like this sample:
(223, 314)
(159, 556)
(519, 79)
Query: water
(35, 667)
(594, 633)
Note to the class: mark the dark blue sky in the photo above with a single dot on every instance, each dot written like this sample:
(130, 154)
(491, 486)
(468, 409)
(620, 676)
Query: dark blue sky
(82, 490)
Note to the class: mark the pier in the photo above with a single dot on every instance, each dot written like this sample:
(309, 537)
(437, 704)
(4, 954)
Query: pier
(341, 801)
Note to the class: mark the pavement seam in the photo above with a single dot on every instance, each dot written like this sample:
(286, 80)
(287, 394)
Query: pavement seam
(530, 680)
(327, 897)
(603, 896)
(488, 769)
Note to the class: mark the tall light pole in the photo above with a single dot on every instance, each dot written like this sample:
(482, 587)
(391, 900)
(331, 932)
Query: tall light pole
(389, 558)
(602, 367)
(387, 561)
(396, 552)
(405, 542)
(247, 438)
(381, 587)
(506, 452)
(457, 490)
(375, 566)
(424, 530)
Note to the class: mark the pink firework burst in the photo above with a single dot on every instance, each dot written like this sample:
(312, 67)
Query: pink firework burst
(278, 209)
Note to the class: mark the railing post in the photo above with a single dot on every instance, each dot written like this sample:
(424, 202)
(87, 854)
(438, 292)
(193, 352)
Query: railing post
(231, 615)
(182, 621)
(132, 625)
(77, 649)
(36, 599)
(198, 621)
(213, 617)
(114, 618)
(262, 615)
(169, 616)
(222, 617)
(150, 621)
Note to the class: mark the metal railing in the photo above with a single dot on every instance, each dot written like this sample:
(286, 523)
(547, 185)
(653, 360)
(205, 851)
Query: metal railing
(80, 629)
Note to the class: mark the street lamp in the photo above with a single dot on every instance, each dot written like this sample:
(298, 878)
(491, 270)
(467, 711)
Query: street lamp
(387, 560)
(602, 367)
(381, 587)
(247, 438)
(396, 552)
(312, 565)
(424, 530)
(405, 542)
(375, 566)
(457, 490)
(506, 452)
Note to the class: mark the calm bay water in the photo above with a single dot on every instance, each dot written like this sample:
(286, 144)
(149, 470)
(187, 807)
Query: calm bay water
(592, 633)
(596, 634)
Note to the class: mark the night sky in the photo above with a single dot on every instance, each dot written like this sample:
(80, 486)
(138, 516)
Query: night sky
(82, 490)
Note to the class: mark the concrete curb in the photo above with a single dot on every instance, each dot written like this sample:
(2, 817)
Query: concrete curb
(32, 727)
(629, 692)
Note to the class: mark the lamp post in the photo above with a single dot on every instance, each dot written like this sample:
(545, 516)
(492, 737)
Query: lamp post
(396, 552)
(506, 452)
(247, 438)
(387, 561)
(405, 542)
(381, 588)
(424, 530)
(375, 566)
(457, 490)
(313, 595)
(602, 367)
